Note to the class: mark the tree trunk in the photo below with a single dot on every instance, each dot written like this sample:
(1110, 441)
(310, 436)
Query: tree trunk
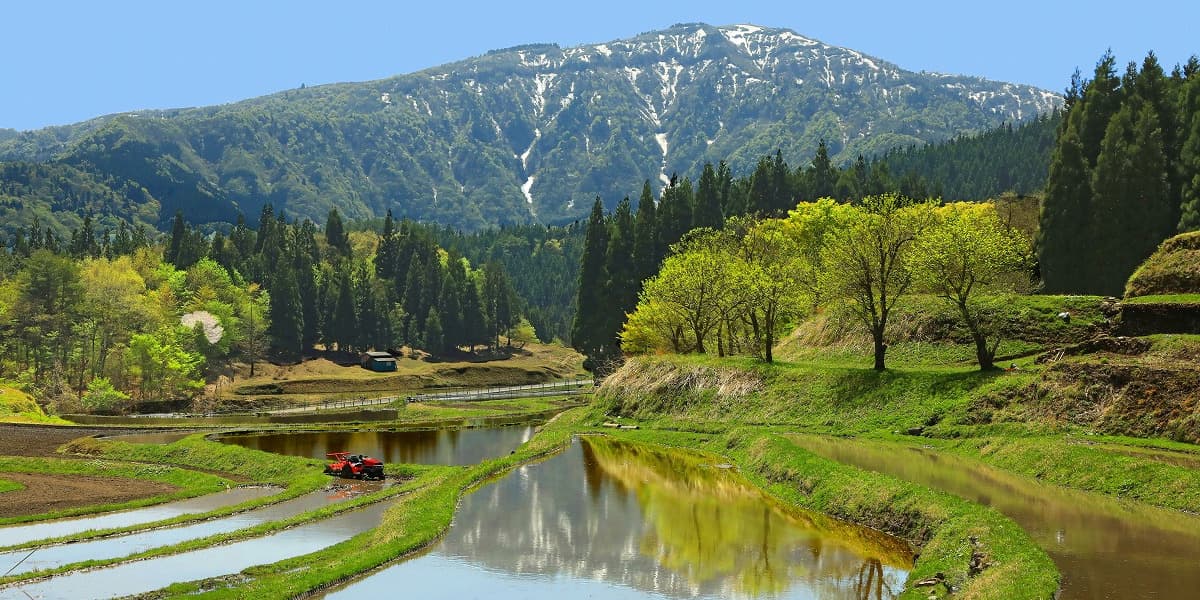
(880, 349)
(985, 355)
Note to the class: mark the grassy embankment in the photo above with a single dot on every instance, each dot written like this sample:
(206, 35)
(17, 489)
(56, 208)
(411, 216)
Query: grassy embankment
(18, 407)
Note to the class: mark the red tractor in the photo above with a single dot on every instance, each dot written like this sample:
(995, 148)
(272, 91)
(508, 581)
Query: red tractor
(354, 466)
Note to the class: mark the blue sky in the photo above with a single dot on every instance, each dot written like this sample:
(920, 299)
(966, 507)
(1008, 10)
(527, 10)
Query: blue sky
(69, 61)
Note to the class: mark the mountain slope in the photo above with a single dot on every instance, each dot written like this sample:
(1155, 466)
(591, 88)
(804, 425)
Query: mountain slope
(530, 133)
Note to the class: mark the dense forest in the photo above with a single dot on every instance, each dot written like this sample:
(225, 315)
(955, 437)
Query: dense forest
(1009, 158)
(105, 319)
(1124, 176)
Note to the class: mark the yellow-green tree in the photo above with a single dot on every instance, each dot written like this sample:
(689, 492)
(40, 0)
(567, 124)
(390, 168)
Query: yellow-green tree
(966, 253)
(867, 262)
(696, 286)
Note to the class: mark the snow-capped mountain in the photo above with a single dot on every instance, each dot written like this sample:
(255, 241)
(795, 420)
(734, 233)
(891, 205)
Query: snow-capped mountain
(533, 132)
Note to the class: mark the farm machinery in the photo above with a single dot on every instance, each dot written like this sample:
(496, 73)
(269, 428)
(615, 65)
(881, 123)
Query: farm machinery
(354, 466)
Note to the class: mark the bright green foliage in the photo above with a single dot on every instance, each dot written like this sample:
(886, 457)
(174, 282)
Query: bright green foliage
(967, 253)
(867, 262)
(162, 367)
(102, 396)
(693, 287)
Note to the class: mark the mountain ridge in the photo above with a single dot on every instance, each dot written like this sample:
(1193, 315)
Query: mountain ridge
(528, 133)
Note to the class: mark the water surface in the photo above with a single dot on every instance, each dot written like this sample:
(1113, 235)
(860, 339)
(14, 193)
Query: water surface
(24, 561)
(432, 447)
(19, 534)
(1103, 547)
(608, 519)
(143, 576)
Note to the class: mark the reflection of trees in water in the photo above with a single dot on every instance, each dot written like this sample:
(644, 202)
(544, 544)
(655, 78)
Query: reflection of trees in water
(653, 520)
(869, 585)
(447, 446)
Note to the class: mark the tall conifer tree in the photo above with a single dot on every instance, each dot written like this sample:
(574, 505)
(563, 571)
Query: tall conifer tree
(587, 330)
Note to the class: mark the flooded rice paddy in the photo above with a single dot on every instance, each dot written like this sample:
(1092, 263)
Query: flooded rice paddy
(24, 561)
(426, 447)
(20, 534)
(618, 520)
(1103, 547)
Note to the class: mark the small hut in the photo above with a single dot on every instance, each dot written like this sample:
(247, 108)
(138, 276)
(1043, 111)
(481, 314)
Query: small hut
(378, 361)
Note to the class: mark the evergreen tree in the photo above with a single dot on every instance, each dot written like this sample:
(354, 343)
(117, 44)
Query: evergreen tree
(474, 326)
(345, 322)
(1065, 230)
(286, 316)
(499, 302)
(335, 233)
(388, 253)
(707, 212)
(725, 188)
(1189, 159)
(823, 174)
(414, 297)
(674, 212)
(646, 254)
(623, 282)
(588, 334)
(1100, 101)
(1129, 184)
(242, 239)
(178, 233)
(435, 342)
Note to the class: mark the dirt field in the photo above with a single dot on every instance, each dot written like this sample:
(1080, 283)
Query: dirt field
(45, 493)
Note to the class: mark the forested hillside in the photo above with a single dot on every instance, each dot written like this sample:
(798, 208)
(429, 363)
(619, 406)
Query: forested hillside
(1009, 158)
(526, 134)
(103, 321)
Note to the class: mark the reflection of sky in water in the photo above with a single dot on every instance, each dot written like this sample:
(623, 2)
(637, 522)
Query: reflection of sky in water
(19, 534)
(1104, 548)
(434, 447)
(603, 521)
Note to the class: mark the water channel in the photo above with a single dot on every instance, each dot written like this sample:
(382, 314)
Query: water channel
(441, 447)
(24, 561)
(139, 577)
(20, 534)
(616, 520)
(1103, 547)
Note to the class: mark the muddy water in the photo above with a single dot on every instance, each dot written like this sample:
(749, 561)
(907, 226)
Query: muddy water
(24, 561)
(607, 519)
(143, 576)
(440, 447)
(19, 534)
(1104, 548)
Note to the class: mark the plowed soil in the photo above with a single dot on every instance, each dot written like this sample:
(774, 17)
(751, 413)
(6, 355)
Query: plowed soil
(46, 493)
